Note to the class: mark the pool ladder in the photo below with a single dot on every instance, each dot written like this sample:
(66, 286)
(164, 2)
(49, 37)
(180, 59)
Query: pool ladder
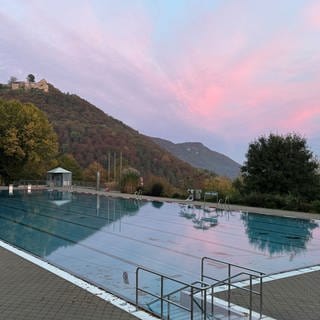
(224, 205)
(197, 300)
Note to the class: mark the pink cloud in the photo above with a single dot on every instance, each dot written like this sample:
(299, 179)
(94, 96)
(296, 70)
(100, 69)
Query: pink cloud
(258, 87)
(303, 118)
(312, 15)
(226, 72)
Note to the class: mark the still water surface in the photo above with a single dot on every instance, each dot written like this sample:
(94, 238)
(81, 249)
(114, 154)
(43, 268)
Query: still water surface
(104, 239)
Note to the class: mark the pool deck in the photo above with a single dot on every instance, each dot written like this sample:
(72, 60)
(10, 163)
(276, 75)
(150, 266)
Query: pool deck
(28, 291)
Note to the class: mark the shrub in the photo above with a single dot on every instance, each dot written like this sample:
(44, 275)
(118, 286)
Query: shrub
(315, 206)
(130, 180)
(159, 186)
(222, 185)
(157, 189)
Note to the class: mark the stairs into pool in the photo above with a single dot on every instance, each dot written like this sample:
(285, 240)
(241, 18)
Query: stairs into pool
(169, 298)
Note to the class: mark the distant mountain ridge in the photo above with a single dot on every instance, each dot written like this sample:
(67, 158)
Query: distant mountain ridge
(199, 156)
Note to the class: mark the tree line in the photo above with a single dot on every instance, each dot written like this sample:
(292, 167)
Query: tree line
(280, 171)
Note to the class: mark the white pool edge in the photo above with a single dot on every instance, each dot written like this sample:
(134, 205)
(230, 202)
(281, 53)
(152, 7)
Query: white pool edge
(272, 277)
(130, 308)
(102, 294)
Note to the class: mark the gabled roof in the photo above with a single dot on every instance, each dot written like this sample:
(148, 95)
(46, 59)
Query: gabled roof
(59, 170)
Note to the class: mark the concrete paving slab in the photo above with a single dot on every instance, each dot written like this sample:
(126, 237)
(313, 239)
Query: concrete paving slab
(30, 292)
(290, 298)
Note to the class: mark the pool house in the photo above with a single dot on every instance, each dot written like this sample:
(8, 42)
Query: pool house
(59, 177)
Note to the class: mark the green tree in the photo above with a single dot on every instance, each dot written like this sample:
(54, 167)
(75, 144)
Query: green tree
(31, 78)
(67, 161)
(28, 143)
(281, 164)
(222, 185)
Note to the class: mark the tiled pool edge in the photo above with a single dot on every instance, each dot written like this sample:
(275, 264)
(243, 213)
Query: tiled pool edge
(102, 294)
(272, 277)
(268, 278)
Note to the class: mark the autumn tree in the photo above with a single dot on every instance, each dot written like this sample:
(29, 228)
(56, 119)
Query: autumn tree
(28, 143)
(281, 164)
(90, 173)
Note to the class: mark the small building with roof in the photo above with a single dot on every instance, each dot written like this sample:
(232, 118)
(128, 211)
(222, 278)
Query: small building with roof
(59, 177)
(41, 85)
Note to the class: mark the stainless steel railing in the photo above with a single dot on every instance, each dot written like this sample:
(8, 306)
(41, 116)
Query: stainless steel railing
(165, 298)
(245, 274)
(199, 292)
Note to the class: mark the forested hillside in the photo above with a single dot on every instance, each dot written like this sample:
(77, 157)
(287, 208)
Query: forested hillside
(199, 156)
(90, 135)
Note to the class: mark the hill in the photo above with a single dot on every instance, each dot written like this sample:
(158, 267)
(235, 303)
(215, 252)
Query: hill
(199, 156)
(90, 134)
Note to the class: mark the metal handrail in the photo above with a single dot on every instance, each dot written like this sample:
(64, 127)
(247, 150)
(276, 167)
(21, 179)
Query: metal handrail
(194, 289)
(227, 203)
(221, 282)
(251, 273)
(228, 263)
(202, 287)
(170, 294)
(219, 205)
(224, 281)
(175, 291)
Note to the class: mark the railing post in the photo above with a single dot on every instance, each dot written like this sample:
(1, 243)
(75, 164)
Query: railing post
(261, 295)
(205, 304)
(168, 307)
(250, 296)
(137, 288)
(229, 287)
(161, 294)
(202, 261)
(191, 303)
(212, 300)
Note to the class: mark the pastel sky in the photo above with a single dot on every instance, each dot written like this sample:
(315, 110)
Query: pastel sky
(219, 72)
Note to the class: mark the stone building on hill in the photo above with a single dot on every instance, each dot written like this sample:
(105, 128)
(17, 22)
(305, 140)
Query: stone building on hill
(41, 85)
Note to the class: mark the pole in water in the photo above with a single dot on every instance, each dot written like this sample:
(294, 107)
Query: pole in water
(98, 180)
(109, 159)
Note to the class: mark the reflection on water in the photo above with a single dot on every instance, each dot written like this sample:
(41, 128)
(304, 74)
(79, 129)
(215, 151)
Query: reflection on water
(41, 224)
(59, 198)
(104, 239)
(278, 235)
(267, 234)
(202, 218)
(157, 204)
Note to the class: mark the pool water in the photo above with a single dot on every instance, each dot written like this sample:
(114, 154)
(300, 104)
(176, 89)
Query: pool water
(103, 239)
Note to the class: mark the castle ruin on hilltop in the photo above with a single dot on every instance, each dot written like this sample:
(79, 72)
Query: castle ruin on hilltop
(41, 85)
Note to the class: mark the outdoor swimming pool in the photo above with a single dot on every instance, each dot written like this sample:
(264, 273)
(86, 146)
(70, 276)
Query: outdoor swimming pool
(103, 239)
